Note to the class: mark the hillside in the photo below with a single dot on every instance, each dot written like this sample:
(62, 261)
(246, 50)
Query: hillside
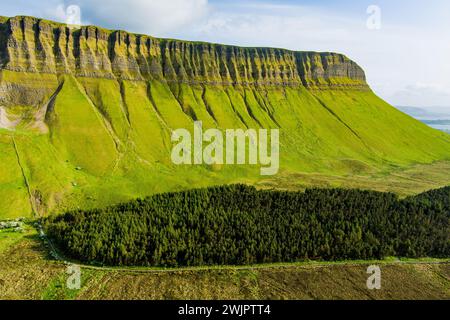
(86, 115)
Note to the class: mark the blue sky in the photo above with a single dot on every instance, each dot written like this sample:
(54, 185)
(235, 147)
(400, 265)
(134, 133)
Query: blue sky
(407, 60)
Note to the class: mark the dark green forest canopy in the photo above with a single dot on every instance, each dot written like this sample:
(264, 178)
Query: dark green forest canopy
(238, 224)
(435, 196)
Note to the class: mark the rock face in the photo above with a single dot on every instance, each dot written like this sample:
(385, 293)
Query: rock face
(38, 46)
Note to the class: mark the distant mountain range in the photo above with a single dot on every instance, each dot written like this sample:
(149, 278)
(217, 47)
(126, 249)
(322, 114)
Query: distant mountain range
(435, 117)
(427, 113)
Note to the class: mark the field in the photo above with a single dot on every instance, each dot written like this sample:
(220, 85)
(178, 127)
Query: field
(27, 272)
(402, 181)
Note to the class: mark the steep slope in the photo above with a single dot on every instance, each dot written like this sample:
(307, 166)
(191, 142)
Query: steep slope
(92, 112)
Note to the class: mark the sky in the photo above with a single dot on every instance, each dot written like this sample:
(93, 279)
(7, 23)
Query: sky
(403, 45)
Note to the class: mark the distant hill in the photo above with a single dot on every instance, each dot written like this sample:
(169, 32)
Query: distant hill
(435, 117)
(432, 113)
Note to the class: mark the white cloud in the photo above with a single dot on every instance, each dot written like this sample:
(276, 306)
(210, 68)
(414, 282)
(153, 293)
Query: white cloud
(155, 17)
(422, 94)
(145, 16)
(70, 14)
(394, 58)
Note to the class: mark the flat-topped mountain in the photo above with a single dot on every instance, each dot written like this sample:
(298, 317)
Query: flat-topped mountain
(35, 45)
(86, 114)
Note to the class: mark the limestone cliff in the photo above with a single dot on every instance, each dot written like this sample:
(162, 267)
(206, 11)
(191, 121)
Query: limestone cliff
(38, 46)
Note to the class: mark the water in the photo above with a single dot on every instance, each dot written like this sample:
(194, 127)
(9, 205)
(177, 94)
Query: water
(442, 127)
(435, 117)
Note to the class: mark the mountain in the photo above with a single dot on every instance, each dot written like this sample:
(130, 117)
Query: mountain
(86, 114)
(430, 113)
(435, 117)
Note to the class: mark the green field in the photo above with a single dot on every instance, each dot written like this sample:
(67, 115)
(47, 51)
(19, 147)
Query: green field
(28, 272)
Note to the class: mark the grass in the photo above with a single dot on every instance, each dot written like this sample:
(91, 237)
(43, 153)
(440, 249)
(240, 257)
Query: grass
(278, 265)
(78, 131)
(27, 272)
(109, 141)
(8, 238)
(105, 94)
(404, 182)
(375, 122)
(57, 288)
(12, 184)
(149, 133)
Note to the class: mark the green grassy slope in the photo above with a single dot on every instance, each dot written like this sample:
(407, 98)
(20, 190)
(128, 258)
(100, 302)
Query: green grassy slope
(12, 185)
(387, 132)
(109, 140)
(78, 130)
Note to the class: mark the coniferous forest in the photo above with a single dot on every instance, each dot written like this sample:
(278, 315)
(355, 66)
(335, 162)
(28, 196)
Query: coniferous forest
(239, 224)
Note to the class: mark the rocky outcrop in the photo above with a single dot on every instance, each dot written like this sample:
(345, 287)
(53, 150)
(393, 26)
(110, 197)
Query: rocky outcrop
(33, 45)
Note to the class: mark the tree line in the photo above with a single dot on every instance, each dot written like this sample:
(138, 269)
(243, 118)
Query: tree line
(239, 224)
